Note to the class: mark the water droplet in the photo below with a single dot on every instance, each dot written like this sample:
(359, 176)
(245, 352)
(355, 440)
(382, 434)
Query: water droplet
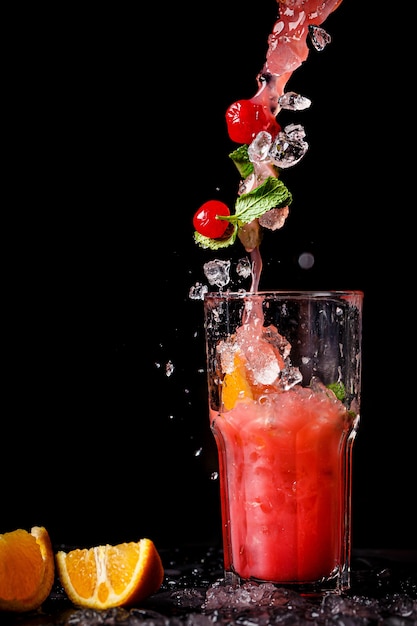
(306, 260)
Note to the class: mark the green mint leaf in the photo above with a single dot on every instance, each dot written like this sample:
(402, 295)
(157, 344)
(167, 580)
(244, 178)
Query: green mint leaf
(271, 194)
(215, 244)
(338, 390)
(241, 160)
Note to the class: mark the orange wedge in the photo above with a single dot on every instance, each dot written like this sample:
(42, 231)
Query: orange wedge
(27, 569)
(107, 576)
(236, 385)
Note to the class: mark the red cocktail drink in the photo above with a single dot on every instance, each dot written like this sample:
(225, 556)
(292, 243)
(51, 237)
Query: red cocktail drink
(284, 430)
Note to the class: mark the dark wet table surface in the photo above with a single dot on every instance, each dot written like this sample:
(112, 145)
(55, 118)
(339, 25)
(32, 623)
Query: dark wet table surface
(383, 592)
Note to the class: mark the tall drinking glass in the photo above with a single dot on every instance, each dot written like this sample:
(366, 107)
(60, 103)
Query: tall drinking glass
(284, 375)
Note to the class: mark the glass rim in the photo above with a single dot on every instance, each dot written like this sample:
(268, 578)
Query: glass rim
(290, 293)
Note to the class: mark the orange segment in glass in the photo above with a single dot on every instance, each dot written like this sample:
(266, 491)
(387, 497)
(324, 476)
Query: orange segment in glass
(236, 385)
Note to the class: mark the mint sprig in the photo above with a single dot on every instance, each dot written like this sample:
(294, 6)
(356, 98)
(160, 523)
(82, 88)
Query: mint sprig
(271, 194)
(249, 206)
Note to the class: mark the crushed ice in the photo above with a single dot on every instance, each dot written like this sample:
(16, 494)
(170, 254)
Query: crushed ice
(223, 596)
(293, 101)
(284, 151)
(289, 146)
(265, 604)
(319, 37)
(274, 218)
(269, 364)
(197, 291)
(244, 267)
(217, 272)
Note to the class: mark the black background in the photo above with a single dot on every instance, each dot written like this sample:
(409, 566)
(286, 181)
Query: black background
(115, 136)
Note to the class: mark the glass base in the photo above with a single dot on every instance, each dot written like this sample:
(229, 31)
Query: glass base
(335, 584)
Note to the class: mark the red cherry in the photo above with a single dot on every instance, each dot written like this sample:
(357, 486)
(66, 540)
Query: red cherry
(245, 120)
(205, 221)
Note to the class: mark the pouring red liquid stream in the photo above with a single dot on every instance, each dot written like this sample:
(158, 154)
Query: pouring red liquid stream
(248, 120)
(287, 50)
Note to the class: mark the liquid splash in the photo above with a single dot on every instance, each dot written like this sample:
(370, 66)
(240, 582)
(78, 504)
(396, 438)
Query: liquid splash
(287, 49)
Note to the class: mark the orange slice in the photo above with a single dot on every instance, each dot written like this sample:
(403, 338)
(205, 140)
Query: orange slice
(107, 576)
(236, 385)
(27, 569)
